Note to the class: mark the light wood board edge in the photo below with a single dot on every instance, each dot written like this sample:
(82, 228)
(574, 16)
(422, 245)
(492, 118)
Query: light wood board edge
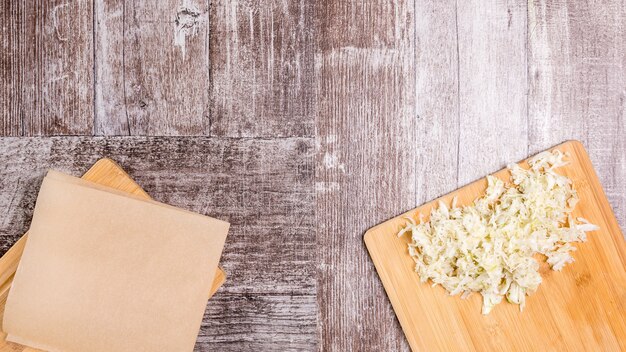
(101, 170)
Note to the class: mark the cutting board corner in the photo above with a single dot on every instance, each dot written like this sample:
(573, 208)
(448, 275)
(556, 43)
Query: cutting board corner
(563, 315)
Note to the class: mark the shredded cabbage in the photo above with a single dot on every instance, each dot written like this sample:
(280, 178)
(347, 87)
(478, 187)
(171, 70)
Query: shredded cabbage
(488, 246)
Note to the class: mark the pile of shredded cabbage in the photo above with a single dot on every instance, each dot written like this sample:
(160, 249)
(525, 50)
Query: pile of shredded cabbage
(488, 247)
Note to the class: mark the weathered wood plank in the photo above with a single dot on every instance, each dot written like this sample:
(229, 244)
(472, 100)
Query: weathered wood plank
(577, 74)
(152, 67)
(264, 188)
(11, 58)
(47, 68)
(236, 323)
(437, 104)
(111, 113)
(365, 164)
(262, 68)
(492, 86)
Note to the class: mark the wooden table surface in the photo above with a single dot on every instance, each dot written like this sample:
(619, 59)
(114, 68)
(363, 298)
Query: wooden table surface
(304, 123)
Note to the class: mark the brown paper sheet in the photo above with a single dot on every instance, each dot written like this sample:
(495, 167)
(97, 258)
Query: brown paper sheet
(105, 271)
(82, 182)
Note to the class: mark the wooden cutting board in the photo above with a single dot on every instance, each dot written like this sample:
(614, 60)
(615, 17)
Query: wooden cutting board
(581, 308)
(105, 172)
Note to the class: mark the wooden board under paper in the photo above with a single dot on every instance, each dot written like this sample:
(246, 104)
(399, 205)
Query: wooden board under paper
(579, 308)
(105, 172)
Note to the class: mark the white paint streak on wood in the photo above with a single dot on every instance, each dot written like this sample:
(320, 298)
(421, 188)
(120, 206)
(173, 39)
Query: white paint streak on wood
(159, 90)
(493, 86)
(437, 99)
(55, 21)
(550, 71)
(53, 69)
(186, 24)
(111, 115)
(165, 94)
(323, 187)
(577, 74)
(262, 68)
(365, 89)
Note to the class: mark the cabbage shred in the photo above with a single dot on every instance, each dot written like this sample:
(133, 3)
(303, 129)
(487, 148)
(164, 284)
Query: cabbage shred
(488, 246)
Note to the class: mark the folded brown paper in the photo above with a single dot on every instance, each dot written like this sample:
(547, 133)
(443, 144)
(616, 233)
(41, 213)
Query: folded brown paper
(106, 271)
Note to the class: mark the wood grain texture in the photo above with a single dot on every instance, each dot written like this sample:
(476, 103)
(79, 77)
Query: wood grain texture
(11, 80)
(264, 188)
(365, 74)
(577, 74)
(578, 308)
(437, 98)
(111, 113)
(258, 322)
(407, 100)
(262, 68)
(152, 68)
(492, 86)
(46, 63)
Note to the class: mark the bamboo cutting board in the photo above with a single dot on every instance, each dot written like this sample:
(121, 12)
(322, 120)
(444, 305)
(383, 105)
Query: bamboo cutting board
(107, 173)
(580, 308)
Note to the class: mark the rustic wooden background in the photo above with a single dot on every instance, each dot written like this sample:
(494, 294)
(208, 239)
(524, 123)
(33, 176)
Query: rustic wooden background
(304, 123)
